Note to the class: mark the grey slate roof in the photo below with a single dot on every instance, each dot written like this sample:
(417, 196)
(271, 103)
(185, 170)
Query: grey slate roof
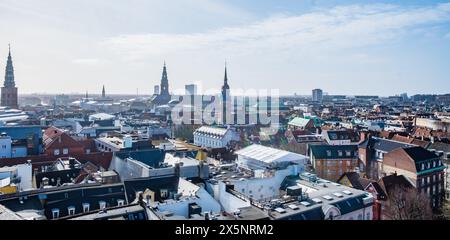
(383, 145)
(320, 151)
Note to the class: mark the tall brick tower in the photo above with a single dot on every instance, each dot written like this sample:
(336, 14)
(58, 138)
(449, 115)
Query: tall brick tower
(9, 89)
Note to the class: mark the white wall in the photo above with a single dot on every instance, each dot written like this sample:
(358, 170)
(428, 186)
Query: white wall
(229, 202)
(24, 171)
(360, 214)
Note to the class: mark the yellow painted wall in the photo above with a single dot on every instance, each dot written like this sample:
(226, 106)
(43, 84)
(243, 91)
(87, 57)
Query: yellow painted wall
(8, 189)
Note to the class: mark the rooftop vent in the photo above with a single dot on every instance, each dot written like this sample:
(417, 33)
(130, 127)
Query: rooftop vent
(338, 195)
(306, 204)
(293, 206)
(347, 192)
(280, 210)
(327, 197)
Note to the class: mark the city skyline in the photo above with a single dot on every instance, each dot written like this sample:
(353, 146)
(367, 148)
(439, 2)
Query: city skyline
(348, 48)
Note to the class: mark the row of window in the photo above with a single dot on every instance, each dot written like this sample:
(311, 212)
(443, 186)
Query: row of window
(348, 153)
(212, 143)
(430, 164)
(65, 151)
(433, 190)
(71, 210)
(429, 179)
(103, 147)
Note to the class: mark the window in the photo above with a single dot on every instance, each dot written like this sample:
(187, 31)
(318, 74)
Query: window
(368, 216)
(86, 207)
(120, 202)
(164, 193)
(88, 151)
(4, 146)
(360, 217)
(65, 151)
(434, 163)
(102, 204)
(56, 152)
(340, 153)
(71, 210)
(348, 153)
(423, 167)
(329, 153)
(55, 213)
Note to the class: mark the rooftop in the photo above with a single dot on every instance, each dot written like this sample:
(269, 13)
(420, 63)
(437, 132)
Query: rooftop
(268, 154)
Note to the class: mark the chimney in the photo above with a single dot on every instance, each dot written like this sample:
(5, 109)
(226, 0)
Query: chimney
(72, 163)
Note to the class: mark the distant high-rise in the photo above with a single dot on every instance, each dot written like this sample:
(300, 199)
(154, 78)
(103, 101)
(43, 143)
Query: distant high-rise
(191, 89)
(317, 95)
(9, 89)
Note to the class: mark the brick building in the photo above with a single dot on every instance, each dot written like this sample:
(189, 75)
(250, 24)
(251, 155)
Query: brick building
(330, 162)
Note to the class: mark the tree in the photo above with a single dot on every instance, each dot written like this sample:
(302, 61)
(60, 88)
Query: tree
(406, 203)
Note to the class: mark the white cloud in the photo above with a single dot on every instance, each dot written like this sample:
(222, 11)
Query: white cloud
(338, 28)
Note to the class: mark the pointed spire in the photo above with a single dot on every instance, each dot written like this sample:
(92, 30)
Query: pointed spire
(225, 79)
(103, 92)
(87, 94)
(226, 75)
(164, 81)
(9, 71)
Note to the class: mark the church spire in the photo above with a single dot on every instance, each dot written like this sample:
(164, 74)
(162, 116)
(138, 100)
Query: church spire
(103, 92)
(9, 71)
(9, 89)
(164, 81)
(225, 79)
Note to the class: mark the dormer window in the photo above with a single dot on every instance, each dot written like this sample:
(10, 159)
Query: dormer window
(348, 153)
(340, 153)
(102, 204)
(86, 207)
(55, 213)
(164, 193)
(120, 202)
(329, 153)
(71, 210)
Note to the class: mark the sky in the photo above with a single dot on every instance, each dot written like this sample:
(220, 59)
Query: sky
(343, 47)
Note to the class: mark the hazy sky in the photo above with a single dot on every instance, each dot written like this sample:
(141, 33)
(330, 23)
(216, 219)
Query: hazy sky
(343, 47)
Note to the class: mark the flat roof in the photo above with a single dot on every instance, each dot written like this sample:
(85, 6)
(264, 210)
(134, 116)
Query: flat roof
(268, 154)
